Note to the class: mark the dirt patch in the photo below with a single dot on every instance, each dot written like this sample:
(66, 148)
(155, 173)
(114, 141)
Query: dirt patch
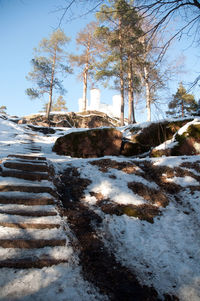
(190, 165)
(99, 266)
(157, 174)
(144, 212)
(149, 194)
(106, 164)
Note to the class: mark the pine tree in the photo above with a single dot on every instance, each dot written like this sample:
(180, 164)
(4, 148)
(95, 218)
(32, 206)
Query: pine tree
(91, 47)
(3, 109)
(46, 68)
(120, 31)
(57, 106)
(182, 104)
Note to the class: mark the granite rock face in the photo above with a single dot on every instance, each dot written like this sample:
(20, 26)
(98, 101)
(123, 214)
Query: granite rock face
(187, 143)
(88, 119)
(90, 143)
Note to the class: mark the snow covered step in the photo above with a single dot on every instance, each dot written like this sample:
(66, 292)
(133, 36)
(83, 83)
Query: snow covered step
(57, 252)
(17, 233)
(7, 218)
(26, 166)
(34, 258)
(22, 182)
(31, 243)
(31, 176)
(23, 210)
(11, 207)
(29, 225)
(24, 156)
(27, 161)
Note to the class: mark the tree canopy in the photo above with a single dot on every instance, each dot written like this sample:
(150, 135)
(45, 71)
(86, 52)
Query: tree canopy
(182, 103)
(47, 67)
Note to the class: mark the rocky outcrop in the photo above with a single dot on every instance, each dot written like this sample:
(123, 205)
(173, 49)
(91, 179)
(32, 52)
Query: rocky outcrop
(89, 119)
(90, 143)
(142, 140)
(185, 142)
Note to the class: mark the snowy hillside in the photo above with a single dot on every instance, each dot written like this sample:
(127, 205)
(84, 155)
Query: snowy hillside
(145, 212)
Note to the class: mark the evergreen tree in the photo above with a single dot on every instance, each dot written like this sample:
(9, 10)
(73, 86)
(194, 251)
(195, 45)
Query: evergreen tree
(46, 68)
(182, 104)
(91, 47)
(3, 109)
(58, 106)
(120, 32)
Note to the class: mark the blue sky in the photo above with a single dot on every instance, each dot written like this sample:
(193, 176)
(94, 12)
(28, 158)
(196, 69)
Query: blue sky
(23, 23)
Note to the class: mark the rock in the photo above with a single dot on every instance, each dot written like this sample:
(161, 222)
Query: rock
(188, 143)
(88, 119)
(144, 139)
(22, 121)
(90, 143)
(132, 149)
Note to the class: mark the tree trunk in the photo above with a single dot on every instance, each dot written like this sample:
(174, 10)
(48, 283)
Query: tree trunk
(182, 108)
(131, 112)
(51, 87)
(85, 76)
(121, 74)
(148, 98)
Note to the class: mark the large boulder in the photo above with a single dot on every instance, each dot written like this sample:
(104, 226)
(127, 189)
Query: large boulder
(90, 143)
(143, 139)
(185, 142)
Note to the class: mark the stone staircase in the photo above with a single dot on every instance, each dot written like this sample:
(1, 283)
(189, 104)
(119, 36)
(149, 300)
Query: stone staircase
(32, 233)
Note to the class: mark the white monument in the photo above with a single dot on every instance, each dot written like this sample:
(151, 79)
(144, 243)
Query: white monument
(94, 99)
(96, 105)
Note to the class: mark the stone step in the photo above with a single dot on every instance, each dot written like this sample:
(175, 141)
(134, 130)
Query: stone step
(23, 156)
(28, 213)
(31, 262)
(26, 166)
(28, 161)
(29, 225)
(24, 188)
(28, 201)
(31, 244)
(31, 176)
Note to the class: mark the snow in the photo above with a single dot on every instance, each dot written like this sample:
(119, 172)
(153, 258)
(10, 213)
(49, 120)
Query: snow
(164, 254)
(6, 218)
(61, 282)
(184, 181)
(115, 189)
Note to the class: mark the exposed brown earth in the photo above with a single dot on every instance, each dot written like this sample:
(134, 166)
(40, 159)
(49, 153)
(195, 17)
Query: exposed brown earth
(99, 265)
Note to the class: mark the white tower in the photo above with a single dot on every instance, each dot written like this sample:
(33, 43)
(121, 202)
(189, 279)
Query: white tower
(116, 105)
(95, 99)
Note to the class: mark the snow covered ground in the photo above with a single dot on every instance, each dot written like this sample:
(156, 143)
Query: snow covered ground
(164, 254)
